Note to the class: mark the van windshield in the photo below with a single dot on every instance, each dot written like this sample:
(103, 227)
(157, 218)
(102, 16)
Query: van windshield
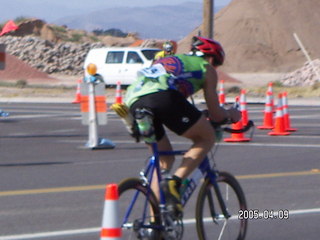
(149, 54)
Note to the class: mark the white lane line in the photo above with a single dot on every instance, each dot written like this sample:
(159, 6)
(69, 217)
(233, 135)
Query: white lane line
(26, 116)
(51, 234)
(295, 136)
(30, 116)
(289, 145)
(291, 213)
(97, 229)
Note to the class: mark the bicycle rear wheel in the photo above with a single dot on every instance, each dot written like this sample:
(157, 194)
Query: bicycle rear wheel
(139, 211)
(211, 222)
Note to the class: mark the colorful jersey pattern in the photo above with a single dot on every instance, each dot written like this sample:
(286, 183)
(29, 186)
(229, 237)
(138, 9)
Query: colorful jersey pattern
(179, 72)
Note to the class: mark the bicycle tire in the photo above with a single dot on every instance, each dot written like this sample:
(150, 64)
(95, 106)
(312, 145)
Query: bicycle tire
(222, 228)
(135, 227)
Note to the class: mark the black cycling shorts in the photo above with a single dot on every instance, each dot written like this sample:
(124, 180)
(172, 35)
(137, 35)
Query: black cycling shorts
(171, 109)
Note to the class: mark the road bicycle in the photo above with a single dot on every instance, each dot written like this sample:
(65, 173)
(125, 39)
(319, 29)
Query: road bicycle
(219, 201)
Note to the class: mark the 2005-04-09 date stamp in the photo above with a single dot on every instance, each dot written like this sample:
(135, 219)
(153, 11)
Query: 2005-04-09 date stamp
(252, 214)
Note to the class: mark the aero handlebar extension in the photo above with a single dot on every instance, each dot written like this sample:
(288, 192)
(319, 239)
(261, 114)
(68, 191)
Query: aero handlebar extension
(244, 129)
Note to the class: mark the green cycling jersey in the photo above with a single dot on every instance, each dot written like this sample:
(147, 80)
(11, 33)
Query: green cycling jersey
(184, 73)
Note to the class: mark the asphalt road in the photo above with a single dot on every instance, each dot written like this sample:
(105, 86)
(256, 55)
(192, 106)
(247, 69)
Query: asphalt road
(52, 186)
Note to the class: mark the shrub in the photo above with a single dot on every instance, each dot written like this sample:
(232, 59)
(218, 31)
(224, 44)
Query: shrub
(21, 83)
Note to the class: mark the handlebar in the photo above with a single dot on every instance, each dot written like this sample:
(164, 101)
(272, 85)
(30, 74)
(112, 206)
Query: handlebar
(249, 125)
(217, 125)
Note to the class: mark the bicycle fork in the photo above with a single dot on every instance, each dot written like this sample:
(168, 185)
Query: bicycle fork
(221, 201)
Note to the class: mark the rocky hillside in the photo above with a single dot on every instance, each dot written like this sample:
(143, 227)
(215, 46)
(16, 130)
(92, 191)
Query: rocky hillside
(56, 49)
(257, 36)
(49, 57)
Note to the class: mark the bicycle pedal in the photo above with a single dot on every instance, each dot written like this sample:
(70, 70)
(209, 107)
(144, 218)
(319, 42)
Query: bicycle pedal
(148, 234)
(174, 212)
(174, 229)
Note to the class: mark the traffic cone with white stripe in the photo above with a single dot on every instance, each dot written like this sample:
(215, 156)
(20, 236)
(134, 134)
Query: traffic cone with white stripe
(222, 97)
(118, 98)
(243, 107)
(111, 227)
(270, 94)
(286, 115)
(78, 94)
(268, 113)
(279, 129)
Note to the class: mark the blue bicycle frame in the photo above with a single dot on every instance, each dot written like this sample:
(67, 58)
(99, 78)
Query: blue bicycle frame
(154, 205)
(154, 165)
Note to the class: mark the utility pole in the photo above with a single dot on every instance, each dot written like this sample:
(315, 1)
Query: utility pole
(307, 56)
(2, 56)
(208, 13)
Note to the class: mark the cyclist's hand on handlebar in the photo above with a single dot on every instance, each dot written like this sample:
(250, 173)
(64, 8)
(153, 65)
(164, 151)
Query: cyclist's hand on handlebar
(234, 114)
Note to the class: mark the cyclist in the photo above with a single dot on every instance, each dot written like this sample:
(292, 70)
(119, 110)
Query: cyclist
(163, 90)
(168, 49)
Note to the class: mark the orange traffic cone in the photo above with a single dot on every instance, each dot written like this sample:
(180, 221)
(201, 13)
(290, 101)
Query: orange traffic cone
(243, 107)
(111, 228)
(268, 113)
(270, 94)
(279, 129)
(286, 116)
(78, 94)
(237, 137)
(222, 97)
(118, 98)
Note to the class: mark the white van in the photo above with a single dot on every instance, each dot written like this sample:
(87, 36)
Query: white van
(121, 63)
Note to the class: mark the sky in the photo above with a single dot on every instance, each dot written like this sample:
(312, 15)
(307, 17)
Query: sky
(50, 10)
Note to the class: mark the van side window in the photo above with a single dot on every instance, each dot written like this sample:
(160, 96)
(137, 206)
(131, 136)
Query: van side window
(133, 58)
(114, 57)
(150, 53)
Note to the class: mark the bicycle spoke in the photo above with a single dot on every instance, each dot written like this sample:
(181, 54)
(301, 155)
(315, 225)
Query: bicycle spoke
(222, 230)
(227, 193)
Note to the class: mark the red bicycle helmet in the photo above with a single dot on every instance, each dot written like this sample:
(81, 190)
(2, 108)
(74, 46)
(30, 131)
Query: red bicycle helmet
(209, 47)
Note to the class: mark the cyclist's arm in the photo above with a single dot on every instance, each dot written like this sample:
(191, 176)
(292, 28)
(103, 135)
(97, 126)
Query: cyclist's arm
(216, 112)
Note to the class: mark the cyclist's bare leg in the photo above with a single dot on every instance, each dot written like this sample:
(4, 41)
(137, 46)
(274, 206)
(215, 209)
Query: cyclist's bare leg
(164, 144)
(203, 138)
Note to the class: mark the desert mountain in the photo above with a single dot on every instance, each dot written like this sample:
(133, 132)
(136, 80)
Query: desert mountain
(163, 22)
(258, 34)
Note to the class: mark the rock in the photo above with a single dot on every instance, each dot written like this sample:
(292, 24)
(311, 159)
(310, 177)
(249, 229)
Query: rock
(308, 75)
(49, 57)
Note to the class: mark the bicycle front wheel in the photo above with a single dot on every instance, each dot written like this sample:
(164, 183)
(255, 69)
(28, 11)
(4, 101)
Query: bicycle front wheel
(213, 222)
(139, 211)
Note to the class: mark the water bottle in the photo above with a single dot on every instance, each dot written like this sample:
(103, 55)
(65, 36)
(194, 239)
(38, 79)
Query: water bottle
(145, 125)
(189, 185)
